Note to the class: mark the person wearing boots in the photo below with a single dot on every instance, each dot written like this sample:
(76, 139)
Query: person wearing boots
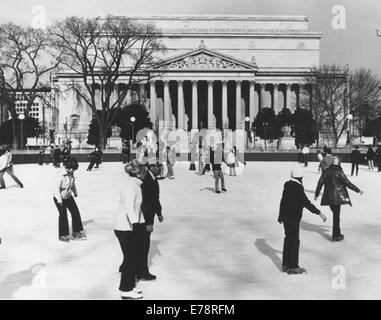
(94, 156)
(335, 194)
(290, 213)
(355, 160)
(64, 190)
(150, 207)
(129, 228)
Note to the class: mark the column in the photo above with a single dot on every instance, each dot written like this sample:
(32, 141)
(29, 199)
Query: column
(252, 111)
(277, 109)
(238, 106)
(180, 105)
(142, 93)
(152, 88)
(166, 103)
(224, 105)
(194, 106)
(210, 105)
(288, 96)
(262, 95)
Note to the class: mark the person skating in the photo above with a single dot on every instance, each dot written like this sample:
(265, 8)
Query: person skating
(293, 201)
(216, 159)
(64, 190)
(201, 160)
(171, 159)
(150, 206)
(370, 156)
(206, 155)
(98, 159)
(94, 158)
(355, 160)
(56, 154)
(126, 151)
(129, 228)
(9, 166)
(230, 161)
(335, 193)
(378, 157)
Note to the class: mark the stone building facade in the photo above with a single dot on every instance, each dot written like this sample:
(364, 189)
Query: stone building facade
(219, 70)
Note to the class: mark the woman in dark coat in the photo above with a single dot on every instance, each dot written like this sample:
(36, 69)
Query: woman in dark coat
(370, 156)
(335, 193)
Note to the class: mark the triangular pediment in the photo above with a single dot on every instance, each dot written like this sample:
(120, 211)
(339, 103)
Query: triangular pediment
(205, 59)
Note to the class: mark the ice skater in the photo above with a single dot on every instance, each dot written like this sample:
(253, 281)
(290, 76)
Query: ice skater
(355, 160)
(290, 213)
(370, 156)
(216, 159)
(64, 190)
(378, 157)
(56, 154)
(8, 168)
(129, 228)
(230, 161)
(94, 158)
(150, 206)
(171, 159)
(335, 194)
(305, 152)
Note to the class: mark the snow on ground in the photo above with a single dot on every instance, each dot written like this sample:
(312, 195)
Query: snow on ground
(210, 246)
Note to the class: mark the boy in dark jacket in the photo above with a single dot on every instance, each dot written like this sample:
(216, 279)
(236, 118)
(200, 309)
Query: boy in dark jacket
(355, 160)
(290, 213)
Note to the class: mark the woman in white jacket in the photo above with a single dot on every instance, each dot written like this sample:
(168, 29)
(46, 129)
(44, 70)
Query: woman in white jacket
(129, 228)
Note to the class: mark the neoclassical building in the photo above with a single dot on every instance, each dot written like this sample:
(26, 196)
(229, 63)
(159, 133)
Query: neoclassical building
(218, 70)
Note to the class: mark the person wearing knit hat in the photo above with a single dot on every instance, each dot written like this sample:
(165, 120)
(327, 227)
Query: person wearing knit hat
(150, 207)
(290, 213)
(129, 228)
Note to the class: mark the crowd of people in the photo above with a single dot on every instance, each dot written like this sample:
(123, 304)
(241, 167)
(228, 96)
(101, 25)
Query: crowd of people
(139, 199)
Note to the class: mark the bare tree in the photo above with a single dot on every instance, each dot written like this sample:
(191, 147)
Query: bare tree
(336, 92)
(364, 96)
(27, 60)
(102, 53)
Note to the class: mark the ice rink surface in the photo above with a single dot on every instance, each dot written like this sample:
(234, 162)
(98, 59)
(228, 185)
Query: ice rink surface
(210, 246)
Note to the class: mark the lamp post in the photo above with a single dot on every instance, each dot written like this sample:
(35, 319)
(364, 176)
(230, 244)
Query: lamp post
(349, 119)
(21, 117)
(247, 123)
(132, 119)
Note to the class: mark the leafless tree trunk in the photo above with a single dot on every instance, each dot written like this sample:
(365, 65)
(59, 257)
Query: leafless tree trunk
(104, 52)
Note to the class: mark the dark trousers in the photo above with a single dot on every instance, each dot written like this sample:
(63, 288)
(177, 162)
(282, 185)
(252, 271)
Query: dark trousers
(355, 165)
(218, 175)
(291, 243)
(143, 265)
(132, 245)
(8, 170)
(63, 224)
(336, 220)
(91, 164)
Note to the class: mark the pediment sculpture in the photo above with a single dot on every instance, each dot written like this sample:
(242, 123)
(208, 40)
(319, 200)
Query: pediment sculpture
(204, 61)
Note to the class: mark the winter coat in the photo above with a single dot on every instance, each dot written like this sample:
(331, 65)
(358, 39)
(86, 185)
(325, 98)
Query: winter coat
(151, 202)
(230, 158)
(335, 187)
(355, 156)
(370, 155)
(130, 201)
(293, 201)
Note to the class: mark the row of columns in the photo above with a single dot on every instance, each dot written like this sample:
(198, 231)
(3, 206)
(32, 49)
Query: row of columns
(253, 109)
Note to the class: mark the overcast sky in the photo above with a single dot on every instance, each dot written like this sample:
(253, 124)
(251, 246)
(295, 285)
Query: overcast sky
(357, 45)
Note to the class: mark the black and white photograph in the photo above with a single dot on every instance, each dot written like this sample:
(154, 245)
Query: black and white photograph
(190, 150)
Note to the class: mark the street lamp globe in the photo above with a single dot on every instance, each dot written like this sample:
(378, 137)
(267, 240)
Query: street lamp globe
(247, 119)
(21, 116)
(132, 119)
(350, 117)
